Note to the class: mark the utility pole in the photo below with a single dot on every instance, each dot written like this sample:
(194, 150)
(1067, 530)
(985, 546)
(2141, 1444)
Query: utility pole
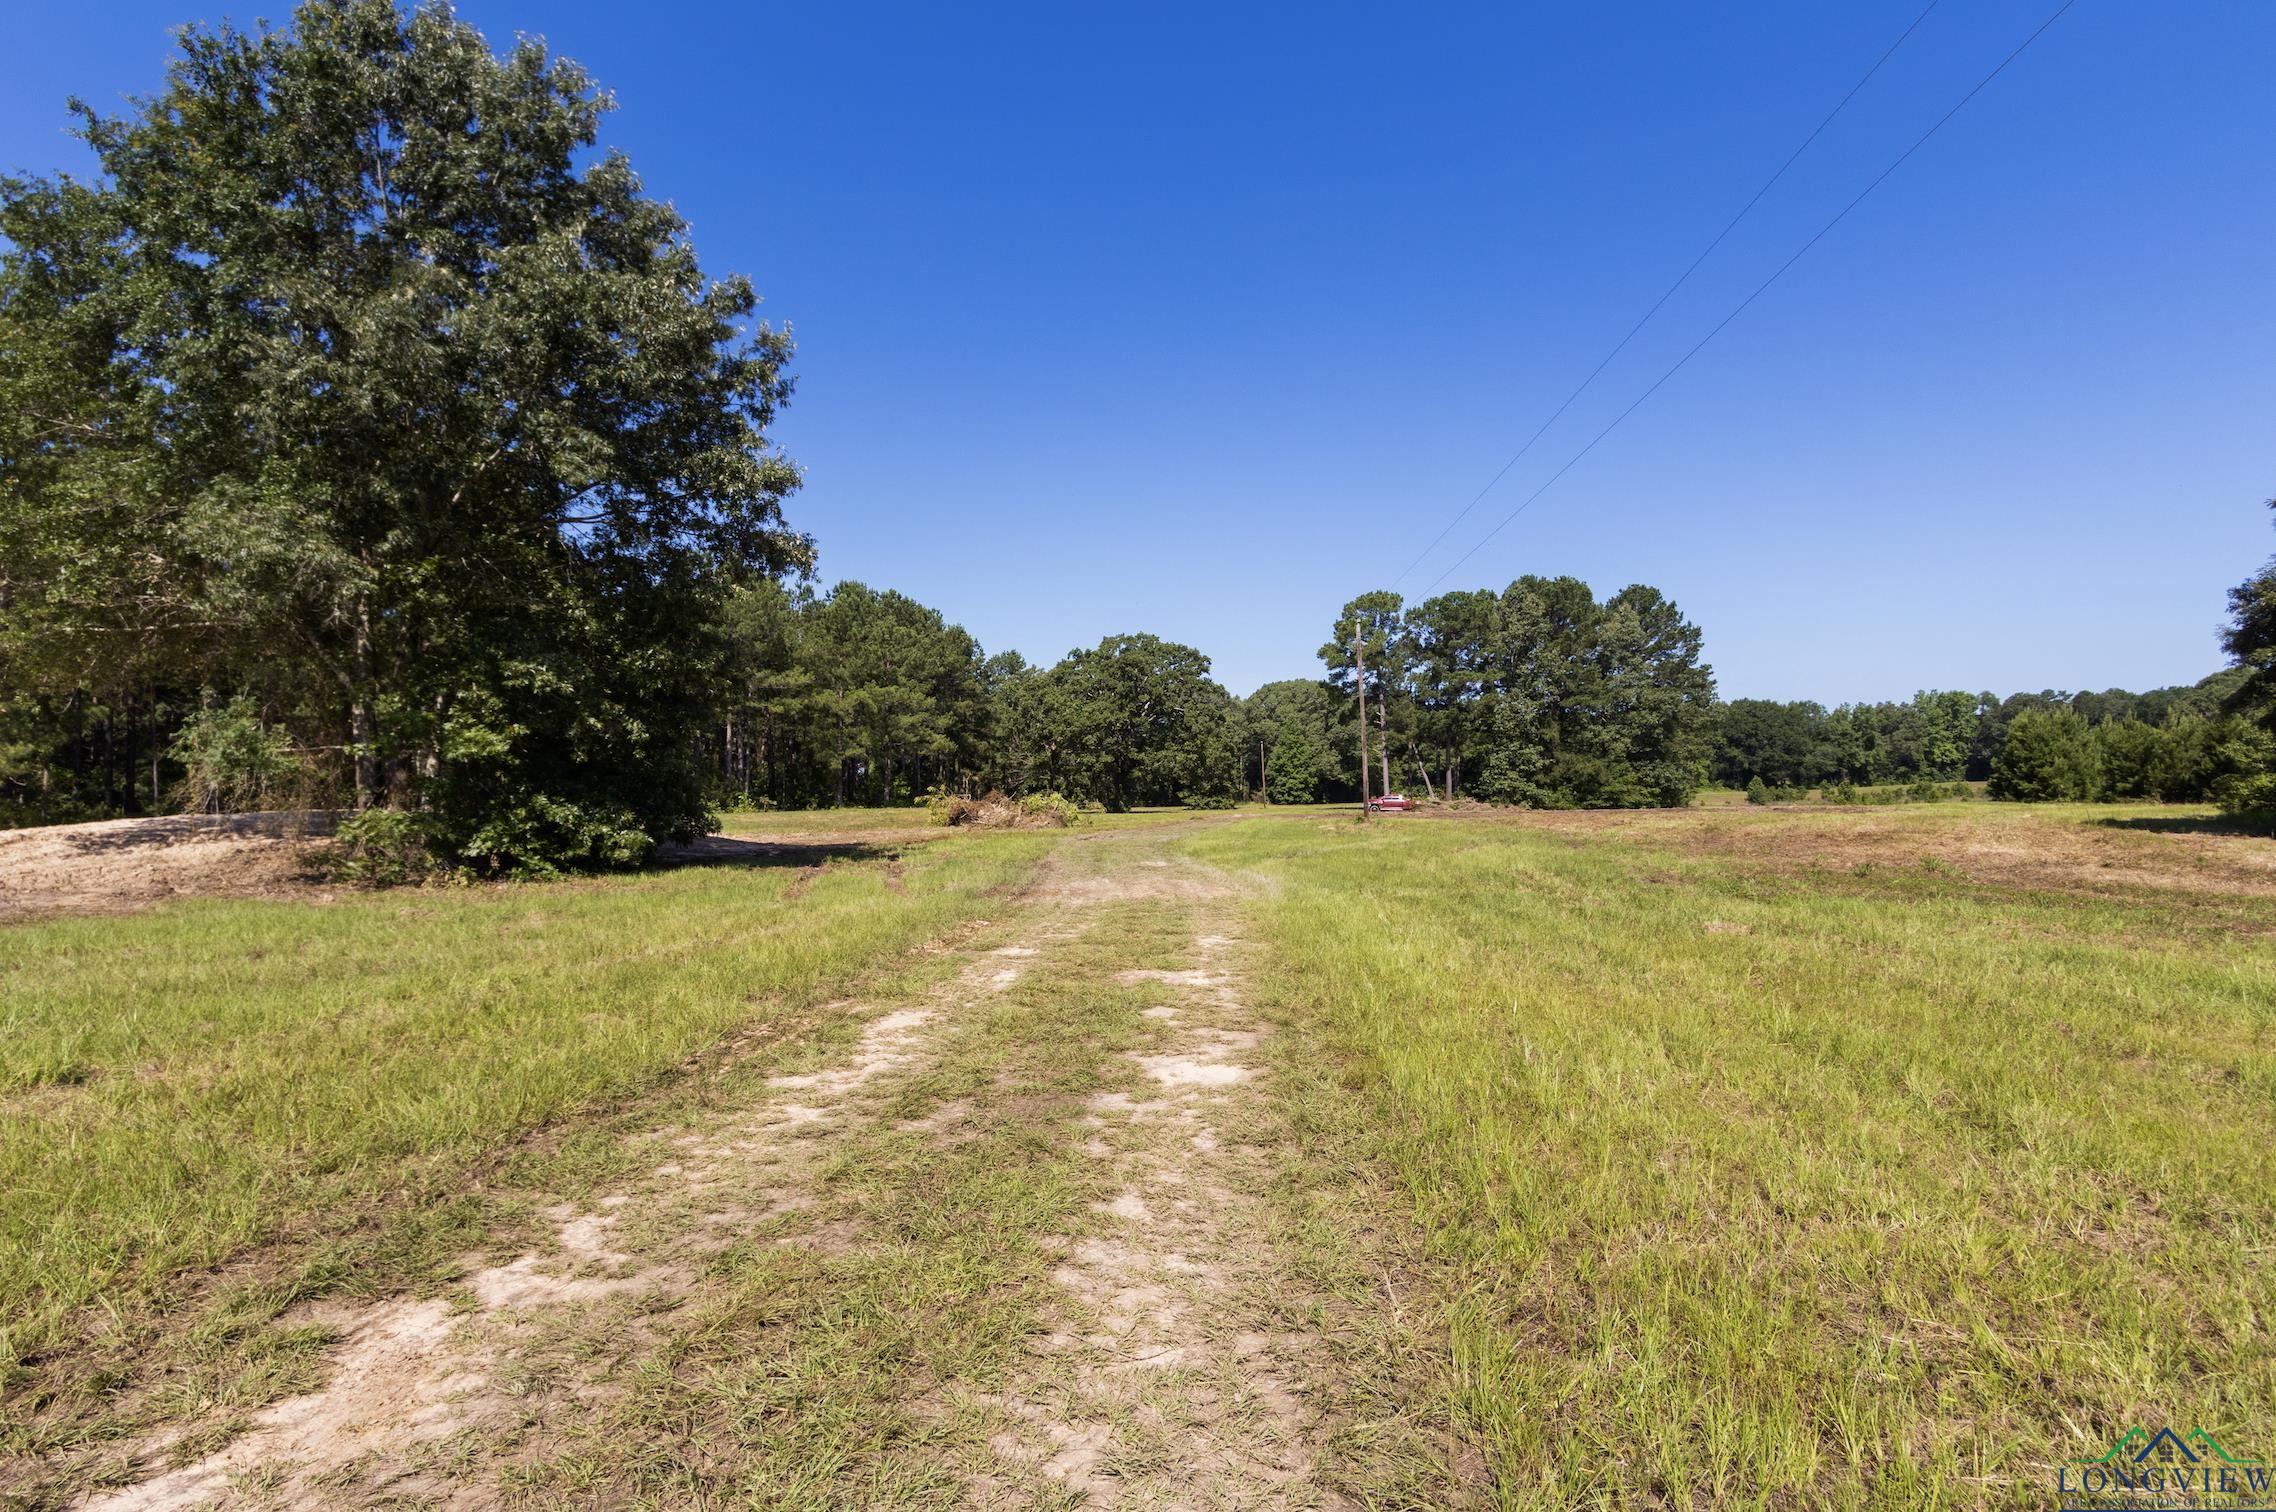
(1359, 681)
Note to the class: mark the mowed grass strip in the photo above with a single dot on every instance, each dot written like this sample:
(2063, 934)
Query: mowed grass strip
(1763, 1187)
(180, 1085)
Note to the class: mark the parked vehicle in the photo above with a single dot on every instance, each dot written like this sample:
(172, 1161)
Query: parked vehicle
(1394, 803)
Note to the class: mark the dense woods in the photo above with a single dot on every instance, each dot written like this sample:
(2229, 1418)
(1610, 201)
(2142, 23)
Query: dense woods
(370, 440)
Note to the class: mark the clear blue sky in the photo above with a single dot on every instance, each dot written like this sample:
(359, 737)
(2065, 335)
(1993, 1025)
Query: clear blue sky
(1201, 319)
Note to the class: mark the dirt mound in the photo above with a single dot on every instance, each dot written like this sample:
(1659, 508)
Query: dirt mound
(120, 864)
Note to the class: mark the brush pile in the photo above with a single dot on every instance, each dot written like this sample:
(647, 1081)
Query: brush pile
(1035, 811)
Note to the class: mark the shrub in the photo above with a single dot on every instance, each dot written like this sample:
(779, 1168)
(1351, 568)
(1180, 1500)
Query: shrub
(233, 761)
(1756, 791)
(2254, 795)
(382, 846)
(2049, 756)
(1049, 810)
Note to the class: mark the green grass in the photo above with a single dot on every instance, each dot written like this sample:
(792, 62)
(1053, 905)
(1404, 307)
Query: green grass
(326, 1083)
(796, 824)
(1855, 1186)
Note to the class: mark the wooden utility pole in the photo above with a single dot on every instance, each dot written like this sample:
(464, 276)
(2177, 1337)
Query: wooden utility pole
(1359, 681)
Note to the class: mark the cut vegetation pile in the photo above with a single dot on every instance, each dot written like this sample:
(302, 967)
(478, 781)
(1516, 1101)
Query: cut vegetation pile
(1036, 811)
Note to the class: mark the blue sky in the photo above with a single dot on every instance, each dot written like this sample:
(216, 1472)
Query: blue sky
(1202, 319)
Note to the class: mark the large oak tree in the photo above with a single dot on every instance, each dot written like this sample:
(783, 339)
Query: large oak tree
(359, 378)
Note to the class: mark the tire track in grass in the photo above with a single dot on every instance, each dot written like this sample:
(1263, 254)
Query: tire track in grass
(1173, 1373)
(414, 1383)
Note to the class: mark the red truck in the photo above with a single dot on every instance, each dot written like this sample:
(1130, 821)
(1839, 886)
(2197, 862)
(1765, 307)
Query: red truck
(1396, 803)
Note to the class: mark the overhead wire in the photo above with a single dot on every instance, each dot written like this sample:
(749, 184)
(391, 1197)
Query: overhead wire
(1759, 289)
(1669, 293)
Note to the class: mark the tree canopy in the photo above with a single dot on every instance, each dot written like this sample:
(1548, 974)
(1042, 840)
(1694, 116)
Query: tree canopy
(1538, 695)
(359, 383)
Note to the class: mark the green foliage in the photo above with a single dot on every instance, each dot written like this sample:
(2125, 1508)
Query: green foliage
(1141, 723)
(1303, 738)
(2253, 795)
(1757, 791)
(2173, 744)
(383, 846)
(1588, 705)
(358, 381)
(869, 697)
(75, 756)
(232, 761)
(2048, 756)
(2251, 639)
(1050, 809)
(1299, 762)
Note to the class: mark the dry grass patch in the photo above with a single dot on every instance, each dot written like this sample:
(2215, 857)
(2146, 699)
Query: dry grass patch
(1784, 1182)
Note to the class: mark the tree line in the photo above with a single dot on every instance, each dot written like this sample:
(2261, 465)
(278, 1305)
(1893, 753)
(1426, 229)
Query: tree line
(2205, 740)
(1538, 694)
(866, 696)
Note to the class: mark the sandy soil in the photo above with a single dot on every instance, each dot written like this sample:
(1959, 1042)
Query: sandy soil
(1168, 1378)
(117, 865)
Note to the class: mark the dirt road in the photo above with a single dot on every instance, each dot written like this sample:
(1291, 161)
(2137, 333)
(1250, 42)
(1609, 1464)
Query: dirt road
(1084, 1079)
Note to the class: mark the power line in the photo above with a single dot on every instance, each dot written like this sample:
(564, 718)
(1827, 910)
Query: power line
(1780, 271)
(1730, 226)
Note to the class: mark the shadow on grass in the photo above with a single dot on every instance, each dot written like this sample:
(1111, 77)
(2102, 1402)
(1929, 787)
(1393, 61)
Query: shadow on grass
(2259, 826)
(727, 850)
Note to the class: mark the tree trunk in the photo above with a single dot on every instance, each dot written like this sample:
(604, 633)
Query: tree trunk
(360, 732)
(1264, 772)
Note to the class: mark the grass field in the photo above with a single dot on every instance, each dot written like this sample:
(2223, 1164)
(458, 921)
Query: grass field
(1767, 1171)
(1882, 1157)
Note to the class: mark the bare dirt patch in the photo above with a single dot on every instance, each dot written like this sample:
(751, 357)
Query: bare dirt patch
(1995, 845)
(117, 865)
(1165, 1379)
